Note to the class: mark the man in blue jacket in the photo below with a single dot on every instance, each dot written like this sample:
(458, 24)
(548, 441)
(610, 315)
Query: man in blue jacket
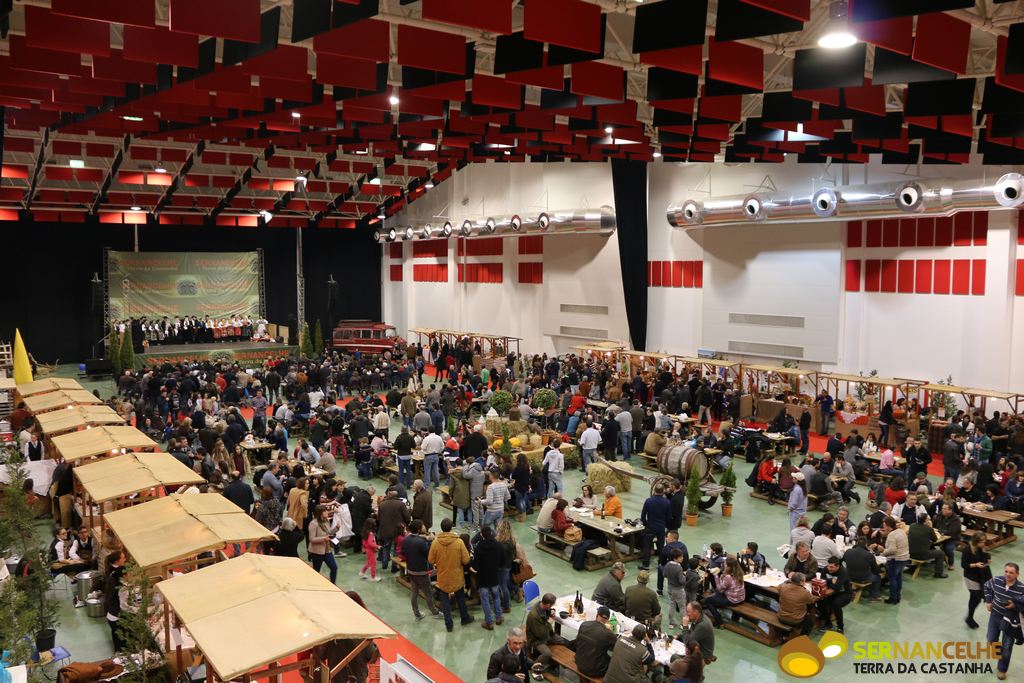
(655, 517)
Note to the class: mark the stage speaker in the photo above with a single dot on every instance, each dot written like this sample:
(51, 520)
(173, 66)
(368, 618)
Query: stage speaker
(98, 366)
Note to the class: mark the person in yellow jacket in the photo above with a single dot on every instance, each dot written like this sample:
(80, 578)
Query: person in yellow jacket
(449, 556)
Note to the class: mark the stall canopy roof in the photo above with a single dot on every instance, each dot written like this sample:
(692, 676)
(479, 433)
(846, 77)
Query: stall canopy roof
(131, 473)
(792, 372)
(713, 362)
(280, 604)
(77, 417)
(61, 398)
(968, 391)
(90, 443)
(7, 384)
(864, 379)
(182, 525)
(42, 386)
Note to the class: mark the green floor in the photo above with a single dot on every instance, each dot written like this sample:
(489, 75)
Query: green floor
(932, 610)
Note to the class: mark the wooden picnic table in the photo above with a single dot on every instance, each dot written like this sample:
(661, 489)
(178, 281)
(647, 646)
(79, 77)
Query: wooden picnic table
(876, 457)
(258, 451)
(629, 536)
(997, 523)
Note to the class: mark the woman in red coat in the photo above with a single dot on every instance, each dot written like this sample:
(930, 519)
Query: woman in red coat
(559, 519)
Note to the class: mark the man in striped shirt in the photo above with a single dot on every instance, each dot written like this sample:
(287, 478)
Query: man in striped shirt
(1004, 597)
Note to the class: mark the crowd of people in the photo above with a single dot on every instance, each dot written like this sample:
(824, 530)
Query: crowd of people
(200, 411)
(146, 331)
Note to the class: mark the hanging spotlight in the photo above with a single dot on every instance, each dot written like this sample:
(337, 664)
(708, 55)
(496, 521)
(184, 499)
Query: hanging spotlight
(136, 208)
(544, 221)
(393, 100)
(489, 227)
(391, 235)
(517, 223)
(609, 130)
(266, 216)
(657, 155)
(425, 232)
(76, 163)
(447, 229)
(429, 185)
(837, 32)
(374, 181)
(467, 229)
(159, 169)
(296, 115)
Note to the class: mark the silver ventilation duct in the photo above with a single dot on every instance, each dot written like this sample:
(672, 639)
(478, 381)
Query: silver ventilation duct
(918, 197)
(599, 221)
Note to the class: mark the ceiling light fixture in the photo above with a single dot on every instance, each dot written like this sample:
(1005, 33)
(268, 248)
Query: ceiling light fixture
(266, 216)
(296, 115)
(374, 181)
(393, 99)
(429, 185)
(132, 118)
(76, 163)
(609, 130)
(382, 215)
(837, 32)
(657, 155)
(136, 208)
(159, 169)
(300, 179)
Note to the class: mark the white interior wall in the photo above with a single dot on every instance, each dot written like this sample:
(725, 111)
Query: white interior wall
(977, 339)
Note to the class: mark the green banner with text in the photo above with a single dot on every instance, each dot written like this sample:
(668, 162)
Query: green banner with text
(156, 284)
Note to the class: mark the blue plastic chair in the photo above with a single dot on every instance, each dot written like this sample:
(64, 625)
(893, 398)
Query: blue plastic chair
(531, 591)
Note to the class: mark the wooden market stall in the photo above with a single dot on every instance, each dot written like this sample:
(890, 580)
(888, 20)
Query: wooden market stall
(249, 614)
(182, 532)
(491, 345)
(100, 442)
(643, 361)
(43, 386)
(864, 411)
(973, 398)
(114, 483)
(773, 388)
(59, 400)
(74, 418)
(729, 370)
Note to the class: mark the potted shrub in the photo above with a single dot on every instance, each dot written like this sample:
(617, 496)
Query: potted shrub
(693, 494)
(501, 401)
(728, 481)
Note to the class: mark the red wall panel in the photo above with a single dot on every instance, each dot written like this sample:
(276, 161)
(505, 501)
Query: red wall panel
(872, 275)
(963, 229)
(905, 276)
(925, 232)
(874, 234)
(396, 273)
(1020, 227)
(980, 228)
(941, 271)
(531, 244)
(944, 231)
(923, 277)
(854, 234)
(889, 272)
(908, 232)
(687, 273)
(677, 273)
(891, 233)
(1020, 277)
(656, 274)
(666, 273)
(978, 277)
(395, 250)
(853, 268)
(531, 273)
(698, 274)
(429, 272)
(430, 249)
(961, 276)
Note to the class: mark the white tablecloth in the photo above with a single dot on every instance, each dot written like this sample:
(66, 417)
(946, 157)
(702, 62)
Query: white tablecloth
(39, 471)
(662, 653)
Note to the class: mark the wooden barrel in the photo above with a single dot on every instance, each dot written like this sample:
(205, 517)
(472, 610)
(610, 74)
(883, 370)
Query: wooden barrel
(678, 460)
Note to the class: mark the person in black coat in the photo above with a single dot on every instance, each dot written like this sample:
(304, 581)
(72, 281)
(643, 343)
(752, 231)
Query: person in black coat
(361, 510)
(112, 597)
(975, 562)
(239, 492)
(838, 580)
(609, 437)
(487, 559)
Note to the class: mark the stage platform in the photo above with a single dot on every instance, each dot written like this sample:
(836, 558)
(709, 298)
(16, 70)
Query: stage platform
(237, 352)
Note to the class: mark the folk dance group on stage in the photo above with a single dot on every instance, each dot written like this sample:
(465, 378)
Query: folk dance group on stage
(195, 330)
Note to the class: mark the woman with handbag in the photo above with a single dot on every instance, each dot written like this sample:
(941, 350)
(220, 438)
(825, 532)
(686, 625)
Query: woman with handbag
(561, 521)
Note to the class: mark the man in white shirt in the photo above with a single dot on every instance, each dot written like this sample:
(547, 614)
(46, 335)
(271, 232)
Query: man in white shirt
(306, 453)
(625, 420)
(432, 445)
(589, 441)
(381, 421)
(555, 463)
(284, 414)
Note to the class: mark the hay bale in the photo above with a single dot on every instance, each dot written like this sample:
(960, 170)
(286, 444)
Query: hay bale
(535, 441)
(569, 452)
(601, 475)
(492, 427)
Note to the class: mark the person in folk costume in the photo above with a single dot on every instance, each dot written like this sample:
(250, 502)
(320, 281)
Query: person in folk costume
(247, 328)
(206, 334)
(236, 323)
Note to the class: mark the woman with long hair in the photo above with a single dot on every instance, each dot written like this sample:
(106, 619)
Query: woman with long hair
(729, 590)
(521, 485)
(509, 554)
(975, 562)
(319, 545)
(298, 501)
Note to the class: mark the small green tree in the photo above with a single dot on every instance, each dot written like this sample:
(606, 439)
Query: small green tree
(501, 401)
(943, 403)
(693, 492)
(305, 342)
(318, 339)
(506, 445)
(135, 620)
(127, 351)
(728, 481)
(114, 350)
(544, 399)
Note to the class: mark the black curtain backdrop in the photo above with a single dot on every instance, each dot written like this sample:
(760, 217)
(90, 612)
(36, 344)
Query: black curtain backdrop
(49, 267)
(629, 183)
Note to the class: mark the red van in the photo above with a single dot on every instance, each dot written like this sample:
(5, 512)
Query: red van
(365, 336)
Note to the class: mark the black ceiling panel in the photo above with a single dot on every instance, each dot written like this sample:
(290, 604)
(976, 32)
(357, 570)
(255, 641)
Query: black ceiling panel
(515, 53)
(1015, 50)
(892, 67)
(310, 18)
(946, 97)
(1000, 100)
(820, 67)
(782, 106)
(875, 10)
(666, 84)
(938, 142)
(1007, 126)
(889, 127)
(346, 13)
(737, 20)
(911, 156)
(665, 117)
(669, 23)
(558, 99)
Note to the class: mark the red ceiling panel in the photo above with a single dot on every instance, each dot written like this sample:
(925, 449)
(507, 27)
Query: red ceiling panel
(978, 277)
(42, 60)
(905, 276)
(569, 23)
(368, 39)
(736, 63)
(496, 92)
(1014, 81)
(289, 62)
(232, 19)
(160, 46)
(488, 15)
(346, 71)
(132, 12)
(299, 91)
(866, 98)
(116, 68)
(45, 29)
(794, 9)
(550, 77)
(689, 59)
(893, 34)
(888, 275)
(942, 41)
(597, 79)
(961, 276)
(427, 49)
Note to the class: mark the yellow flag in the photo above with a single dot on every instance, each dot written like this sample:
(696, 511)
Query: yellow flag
(22, 368)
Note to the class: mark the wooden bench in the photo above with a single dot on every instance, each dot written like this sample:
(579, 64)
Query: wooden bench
(446, 497)
(1019, 523)
(777, 631)
(916, 566)
(564, 657)
(858, 588)
(812, 500)
(650, 461)
(552, 543)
